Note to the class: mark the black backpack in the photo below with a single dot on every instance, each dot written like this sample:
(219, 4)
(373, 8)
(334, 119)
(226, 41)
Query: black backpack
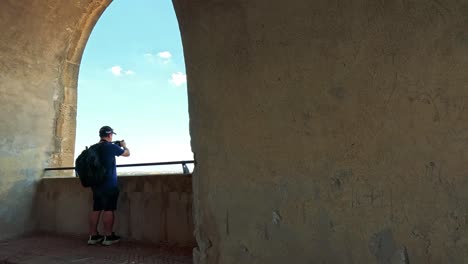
(89, 168)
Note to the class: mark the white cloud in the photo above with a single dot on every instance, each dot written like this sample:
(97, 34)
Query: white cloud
(178, 78)
(118, 71)
(165, 55)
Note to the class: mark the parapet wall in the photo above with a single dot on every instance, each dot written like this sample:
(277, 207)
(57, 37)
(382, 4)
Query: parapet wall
(156, 209)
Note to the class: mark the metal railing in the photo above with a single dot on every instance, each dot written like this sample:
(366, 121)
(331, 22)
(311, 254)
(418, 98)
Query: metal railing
(182, 162)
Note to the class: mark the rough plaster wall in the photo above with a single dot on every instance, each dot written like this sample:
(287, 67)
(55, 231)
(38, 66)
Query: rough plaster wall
(36, 47)
(328, 131)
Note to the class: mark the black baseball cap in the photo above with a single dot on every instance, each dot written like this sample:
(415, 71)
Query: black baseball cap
(106, 130)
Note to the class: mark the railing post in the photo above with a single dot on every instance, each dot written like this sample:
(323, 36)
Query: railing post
(185, 169)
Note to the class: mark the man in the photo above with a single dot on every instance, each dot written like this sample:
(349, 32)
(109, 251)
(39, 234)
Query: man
(105, 195)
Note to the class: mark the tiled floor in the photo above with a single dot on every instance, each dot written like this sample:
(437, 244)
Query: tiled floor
(54, 250)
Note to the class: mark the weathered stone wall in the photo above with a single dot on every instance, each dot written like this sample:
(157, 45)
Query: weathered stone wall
(325, 131)
(328, 131)
(156, 209)
(40, 49)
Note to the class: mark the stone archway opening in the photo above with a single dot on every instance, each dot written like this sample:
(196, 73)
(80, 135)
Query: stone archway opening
(63, 156)
(132, 77)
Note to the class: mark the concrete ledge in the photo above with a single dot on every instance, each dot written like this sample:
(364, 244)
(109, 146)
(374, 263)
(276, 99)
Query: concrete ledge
(155, 209)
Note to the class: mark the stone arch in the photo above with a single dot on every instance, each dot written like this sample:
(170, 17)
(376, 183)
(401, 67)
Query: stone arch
(66, 103)
(65, 123)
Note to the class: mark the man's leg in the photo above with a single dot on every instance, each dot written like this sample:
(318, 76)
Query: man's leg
(94, 216)
(108, 221)
(108, 217)
(93, 222)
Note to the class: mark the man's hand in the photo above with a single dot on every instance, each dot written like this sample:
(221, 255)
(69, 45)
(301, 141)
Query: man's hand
(126, 150)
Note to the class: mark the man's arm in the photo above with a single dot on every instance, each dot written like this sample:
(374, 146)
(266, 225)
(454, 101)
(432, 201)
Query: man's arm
(126, 150)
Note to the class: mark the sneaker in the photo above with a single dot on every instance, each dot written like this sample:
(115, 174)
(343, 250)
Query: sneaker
(93, 240)
(109, 240)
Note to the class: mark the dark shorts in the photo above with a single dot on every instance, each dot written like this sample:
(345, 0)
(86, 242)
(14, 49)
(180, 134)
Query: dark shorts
(105, 199)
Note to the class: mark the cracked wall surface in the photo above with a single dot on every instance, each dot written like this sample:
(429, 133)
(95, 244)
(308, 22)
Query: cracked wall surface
(324, 131)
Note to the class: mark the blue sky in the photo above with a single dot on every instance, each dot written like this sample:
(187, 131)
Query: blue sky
(132, 78)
